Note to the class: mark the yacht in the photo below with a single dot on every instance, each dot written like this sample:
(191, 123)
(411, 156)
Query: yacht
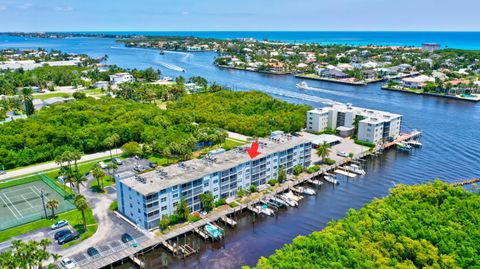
(331, 178)
(404, 147)
(309, 191)
(354, 168)
(302, 85)
(414, 143)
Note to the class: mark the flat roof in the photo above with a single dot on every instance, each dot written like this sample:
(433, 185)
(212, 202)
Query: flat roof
(368, 113)
(184, 172)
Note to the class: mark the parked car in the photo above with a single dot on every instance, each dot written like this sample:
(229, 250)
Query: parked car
(68, 238)
(3, 172)
(126, 238)
(138, 168)
(342, 154)
(61, 234)
(92, 251)
(59, 224)
(103, 165)
(117, 161)
(152, 164)
(67, 263)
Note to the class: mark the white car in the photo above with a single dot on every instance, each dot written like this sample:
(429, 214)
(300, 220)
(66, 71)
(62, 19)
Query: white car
(59, 224)
(342, 154)
(103, 165)
(67, 263)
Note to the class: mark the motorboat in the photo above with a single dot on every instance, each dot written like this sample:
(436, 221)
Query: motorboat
(292, 196)
(414, 143)
(278, 201)
(354, 168)
(289, 201)
(309, 191)
(302, 85)
(265, 210)
(404, 147)
(331, 178)
(316, 182)
(214, 231)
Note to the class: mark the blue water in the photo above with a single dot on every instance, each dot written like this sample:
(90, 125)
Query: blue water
(460, 40)
(451, 145)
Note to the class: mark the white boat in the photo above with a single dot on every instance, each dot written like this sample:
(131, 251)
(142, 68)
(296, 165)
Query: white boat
(414, 143)
(289, 201)
(331, 178)
(302, 85)
(292, 196)
(309, 191)
(354, 168)
(265, 210)
(316, 182)
(276, 201)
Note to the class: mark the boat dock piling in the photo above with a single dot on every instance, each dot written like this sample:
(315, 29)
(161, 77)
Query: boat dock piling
(253, 209)
(228, 221)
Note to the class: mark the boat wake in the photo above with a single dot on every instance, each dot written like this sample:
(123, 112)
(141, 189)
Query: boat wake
(171, 66)
(301, 96)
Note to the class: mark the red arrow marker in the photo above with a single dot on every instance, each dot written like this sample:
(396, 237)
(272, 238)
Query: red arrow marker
(253, 151)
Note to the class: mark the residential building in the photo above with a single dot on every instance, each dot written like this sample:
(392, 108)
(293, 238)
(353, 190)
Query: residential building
(430, 47)
(145, 198)
(120, 78)
(371, 125)
(416, 82)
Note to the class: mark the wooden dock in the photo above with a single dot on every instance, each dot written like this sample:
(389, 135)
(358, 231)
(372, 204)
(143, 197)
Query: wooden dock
(401, 138)
(465, 182)
(201, 233)
(228, 221)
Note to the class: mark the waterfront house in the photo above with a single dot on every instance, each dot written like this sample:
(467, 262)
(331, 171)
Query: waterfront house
(333, 73)
(416, 82)
(120, 78)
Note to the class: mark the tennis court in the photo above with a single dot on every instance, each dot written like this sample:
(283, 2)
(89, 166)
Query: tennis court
(22, 204)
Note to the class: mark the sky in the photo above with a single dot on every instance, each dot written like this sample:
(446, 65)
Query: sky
(242, 15)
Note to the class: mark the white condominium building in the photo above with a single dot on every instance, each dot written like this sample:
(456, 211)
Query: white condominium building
(371, 125)
(145, 198)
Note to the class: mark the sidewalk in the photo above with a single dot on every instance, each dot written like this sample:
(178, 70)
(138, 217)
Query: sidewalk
(52, 165)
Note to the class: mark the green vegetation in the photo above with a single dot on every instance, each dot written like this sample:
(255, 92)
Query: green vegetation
(74, 217)
(282, 176)
(113, 206)
(272, 182)
(313, 169)
(220, 202)
(233, 204)
(323, 151)
(329, 161)
(30, 254)
(207, 200)
(50, 95)
(297, 170)
(426, 226)
(249, 113)
(20, 181)
(363, 143)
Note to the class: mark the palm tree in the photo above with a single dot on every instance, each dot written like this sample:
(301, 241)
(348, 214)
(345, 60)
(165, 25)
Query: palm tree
(78, 179)
(27, 100)
(76, 156)
(52, 205)
(98, 174)
(323, 150)
(81, 203)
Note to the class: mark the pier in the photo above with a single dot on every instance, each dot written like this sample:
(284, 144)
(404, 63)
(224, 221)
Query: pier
(465, 182)
(401, 138)
(228, 221)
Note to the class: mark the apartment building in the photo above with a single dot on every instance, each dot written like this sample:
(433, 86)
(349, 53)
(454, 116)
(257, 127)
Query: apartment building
(145, 198)
(371, 125)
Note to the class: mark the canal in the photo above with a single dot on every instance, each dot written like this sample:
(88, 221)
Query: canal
(451, 145)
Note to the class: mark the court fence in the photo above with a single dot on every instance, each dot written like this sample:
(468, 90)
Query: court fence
(13, 214)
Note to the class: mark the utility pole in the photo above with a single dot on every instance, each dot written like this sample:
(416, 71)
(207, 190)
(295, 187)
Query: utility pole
(43, 202)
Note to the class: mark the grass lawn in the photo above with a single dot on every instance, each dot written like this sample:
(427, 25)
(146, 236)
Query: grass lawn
(107, 181)
(50, 95)
(93, 91)
(413, 90)
(162, 161)
(74, 217)
(113, 206)
(227, 145)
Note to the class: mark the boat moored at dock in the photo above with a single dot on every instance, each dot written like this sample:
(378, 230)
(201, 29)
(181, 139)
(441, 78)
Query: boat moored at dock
(331, 178)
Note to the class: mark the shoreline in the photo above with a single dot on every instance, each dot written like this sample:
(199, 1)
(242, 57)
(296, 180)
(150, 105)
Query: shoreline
(431, 94)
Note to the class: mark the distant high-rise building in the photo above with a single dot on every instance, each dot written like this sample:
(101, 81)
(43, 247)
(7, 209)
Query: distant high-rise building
(430, 47)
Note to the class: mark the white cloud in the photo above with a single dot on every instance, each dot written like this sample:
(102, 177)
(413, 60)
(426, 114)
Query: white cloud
(185, 13)
(63, 9)
(25, 6)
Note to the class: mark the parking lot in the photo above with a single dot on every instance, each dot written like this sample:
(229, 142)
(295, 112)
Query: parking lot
(129, 164)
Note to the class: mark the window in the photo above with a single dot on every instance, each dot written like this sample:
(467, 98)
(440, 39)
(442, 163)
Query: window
(164, 208)
(175, 195)
(164, 199)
